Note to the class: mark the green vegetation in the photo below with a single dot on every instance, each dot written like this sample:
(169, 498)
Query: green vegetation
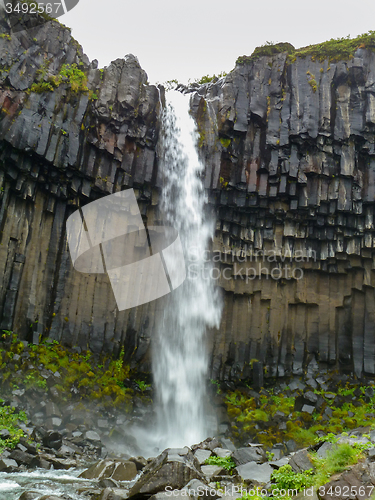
(225, 142)
(82, 374)
(208, 78)
(338, 459)
(7, 37)
(224, 462)
(312, 81)
(9, 420)
(142, 385)
(336, 49)
(268, 49)
(71, 75)
(286, 478)
(250, 415)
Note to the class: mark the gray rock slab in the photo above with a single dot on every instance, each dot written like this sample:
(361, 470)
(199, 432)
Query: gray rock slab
(300, 461)
(197, 489)
(202, 455)
(222, 452)
(324, 449)
(248, 454)
(255, 472)
(211, 470)
(279, 463)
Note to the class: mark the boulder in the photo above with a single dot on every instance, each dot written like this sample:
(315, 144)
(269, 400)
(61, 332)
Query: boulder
(173, 468)
(202, 455)
(140, 462)
(324, 449)
(21, 457)
(52, 439)
(118, 470)
(113, 494)
(197, 490)
(207, 444)
(222, 452)
(8, 465)
(301, 462)
(210, 471)
(93, 437)
(29, 495)
(249, 454)
(255, 472)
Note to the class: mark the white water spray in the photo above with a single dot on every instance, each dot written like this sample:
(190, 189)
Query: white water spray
(179, 356)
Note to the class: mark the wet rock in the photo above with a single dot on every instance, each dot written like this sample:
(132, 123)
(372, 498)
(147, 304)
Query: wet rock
(119, 470)
(52, 439)
(8, 465)
(108, 483)
(174, 467)
(93, 437)
(29, 495)
(50, 497)
(140, 462)
(21, 457)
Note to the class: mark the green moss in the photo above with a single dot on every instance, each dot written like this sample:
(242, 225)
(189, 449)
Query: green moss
(69, 74)
(76, 370)
(245, 413)
(225, 142)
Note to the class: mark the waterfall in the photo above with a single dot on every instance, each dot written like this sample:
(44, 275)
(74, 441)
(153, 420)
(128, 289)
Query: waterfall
(179, 356)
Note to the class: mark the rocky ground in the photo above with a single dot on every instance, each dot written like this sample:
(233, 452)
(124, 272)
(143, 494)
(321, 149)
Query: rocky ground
(64, 410)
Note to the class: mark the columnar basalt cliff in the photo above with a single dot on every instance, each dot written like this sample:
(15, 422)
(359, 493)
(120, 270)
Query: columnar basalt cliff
(289, 148)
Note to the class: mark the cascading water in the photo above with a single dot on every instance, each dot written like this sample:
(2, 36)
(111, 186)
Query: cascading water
(179, 355)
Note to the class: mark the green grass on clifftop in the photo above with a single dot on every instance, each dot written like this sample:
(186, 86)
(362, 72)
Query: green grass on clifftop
(336, 49)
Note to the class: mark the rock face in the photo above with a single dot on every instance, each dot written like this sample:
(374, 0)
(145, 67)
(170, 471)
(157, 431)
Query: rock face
(290, 159)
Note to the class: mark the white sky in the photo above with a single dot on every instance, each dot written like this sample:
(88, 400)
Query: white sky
(182, 40)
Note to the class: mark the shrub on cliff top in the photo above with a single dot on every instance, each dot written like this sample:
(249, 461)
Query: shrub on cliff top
(336, 49)
(268, 49)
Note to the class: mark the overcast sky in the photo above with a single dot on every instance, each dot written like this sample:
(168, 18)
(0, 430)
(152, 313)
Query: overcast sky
(186, 40)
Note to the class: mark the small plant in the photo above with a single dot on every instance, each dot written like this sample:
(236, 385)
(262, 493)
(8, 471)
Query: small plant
(9, 420)
(286, 478)
(224, 462)
(330, 438)
(217, 383)
(142, 385)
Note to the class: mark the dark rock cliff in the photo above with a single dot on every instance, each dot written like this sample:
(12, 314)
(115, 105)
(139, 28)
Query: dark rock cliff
(290, 170)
